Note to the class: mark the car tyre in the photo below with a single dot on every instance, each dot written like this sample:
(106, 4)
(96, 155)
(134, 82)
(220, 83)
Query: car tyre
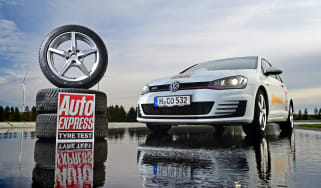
(257, 127)
(46, 126)
(73, 57)
(287, 127)
(158, 128)
(47, 99)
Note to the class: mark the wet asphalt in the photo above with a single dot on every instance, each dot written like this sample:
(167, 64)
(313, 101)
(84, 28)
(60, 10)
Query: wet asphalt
(189, 156)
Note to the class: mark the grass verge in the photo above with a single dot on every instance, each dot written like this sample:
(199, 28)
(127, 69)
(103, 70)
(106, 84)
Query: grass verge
(311, 125)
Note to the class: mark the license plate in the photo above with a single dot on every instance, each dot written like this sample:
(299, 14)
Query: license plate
(169, 101)
(173, 171)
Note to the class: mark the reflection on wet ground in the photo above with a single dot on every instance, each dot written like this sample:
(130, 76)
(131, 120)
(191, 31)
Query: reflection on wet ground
(186, 157)
(73, 167)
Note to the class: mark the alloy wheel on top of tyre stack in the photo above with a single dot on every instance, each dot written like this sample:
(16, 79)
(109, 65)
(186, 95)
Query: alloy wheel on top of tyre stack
(73, 58)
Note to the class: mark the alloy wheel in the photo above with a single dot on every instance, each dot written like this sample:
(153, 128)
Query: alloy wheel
(73, 56)
(291, 116)
(262, 112)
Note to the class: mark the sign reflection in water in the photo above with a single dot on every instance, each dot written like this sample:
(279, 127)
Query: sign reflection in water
(201, 157)
(74, 165)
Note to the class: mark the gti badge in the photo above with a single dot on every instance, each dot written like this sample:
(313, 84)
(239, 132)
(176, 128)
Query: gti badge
(174, 86)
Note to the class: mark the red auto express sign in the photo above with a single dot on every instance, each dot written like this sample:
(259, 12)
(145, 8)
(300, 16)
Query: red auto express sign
(76, 116)
(75, 140)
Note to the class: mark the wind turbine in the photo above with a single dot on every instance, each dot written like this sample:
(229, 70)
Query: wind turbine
(24, 92)
(23, 109)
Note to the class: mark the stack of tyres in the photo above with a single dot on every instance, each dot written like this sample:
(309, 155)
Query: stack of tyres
(46, 102)
(73, 58)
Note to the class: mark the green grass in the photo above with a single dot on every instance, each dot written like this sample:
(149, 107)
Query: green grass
(311, 125)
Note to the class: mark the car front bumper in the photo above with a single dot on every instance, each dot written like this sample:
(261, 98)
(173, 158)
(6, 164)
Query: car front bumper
(230, 107)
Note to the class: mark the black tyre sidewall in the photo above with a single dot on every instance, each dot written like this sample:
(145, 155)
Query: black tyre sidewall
(90, 81)
(286, 126)
(254, 127)
(46, 126)
(47, 99)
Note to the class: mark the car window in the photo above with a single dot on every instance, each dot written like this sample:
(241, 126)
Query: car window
(279, 78)
(265, 64)
(225, 64)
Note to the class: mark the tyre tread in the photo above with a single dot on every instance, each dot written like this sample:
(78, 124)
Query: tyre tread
(46, 125)
(47, 99)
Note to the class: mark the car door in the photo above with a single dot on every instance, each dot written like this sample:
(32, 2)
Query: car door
(284, 106)
(276, 93)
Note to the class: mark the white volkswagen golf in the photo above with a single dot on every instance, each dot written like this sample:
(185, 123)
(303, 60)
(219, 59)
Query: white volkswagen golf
(245, 91)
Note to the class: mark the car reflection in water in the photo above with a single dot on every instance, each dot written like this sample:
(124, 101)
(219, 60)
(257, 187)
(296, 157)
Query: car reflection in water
(77, 173)
(194, 156)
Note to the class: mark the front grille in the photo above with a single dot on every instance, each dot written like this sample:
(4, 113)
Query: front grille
(182, 86)
(227, 109)
(196, 108)
(159, 88)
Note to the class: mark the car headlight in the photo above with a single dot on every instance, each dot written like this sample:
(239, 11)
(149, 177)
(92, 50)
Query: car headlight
(145, 89)
(232, 82)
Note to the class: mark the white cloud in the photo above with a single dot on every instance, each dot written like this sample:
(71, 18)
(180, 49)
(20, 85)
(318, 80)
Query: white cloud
(144, 38)
(10, 2)
(20, 53)
(11, 39)
(157, 35)
(3, 80)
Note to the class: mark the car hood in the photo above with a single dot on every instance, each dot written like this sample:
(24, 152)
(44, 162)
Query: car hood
(205, 76)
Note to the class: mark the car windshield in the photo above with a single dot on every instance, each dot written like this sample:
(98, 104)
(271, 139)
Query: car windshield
(224, 64)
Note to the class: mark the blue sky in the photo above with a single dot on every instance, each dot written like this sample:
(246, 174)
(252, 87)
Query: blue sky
(146, 37)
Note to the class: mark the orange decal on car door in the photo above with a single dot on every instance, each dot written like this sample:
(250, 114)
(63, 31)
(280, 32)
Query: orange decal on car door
(276, 100)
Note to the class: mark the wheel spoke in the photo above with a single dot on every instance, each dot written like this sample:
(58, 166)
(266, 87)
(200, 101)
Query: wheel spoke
(261, 107)
(260, 117)
(262, 101)
(58, 52)
(85, 53)
(83, 68)
(65, 68)
(73, 42)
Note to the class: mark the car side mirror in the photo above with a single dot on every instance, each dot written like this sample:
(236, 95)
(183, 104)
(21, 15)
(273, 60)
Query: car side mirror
(272, 71)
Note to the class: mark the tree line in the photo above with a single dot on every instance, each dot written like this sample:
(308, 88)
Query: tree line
(118, 114)
(13, 114)
(306, 116)
(114, 113)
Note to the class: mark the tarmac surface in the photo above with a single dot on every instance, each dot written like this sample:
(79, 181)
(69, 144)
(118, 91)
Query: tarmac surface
(112, 125)
(188, 156)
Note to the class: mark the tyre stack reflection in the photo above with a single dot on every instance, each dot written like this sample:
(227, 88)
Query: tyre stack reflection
(76, 173)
